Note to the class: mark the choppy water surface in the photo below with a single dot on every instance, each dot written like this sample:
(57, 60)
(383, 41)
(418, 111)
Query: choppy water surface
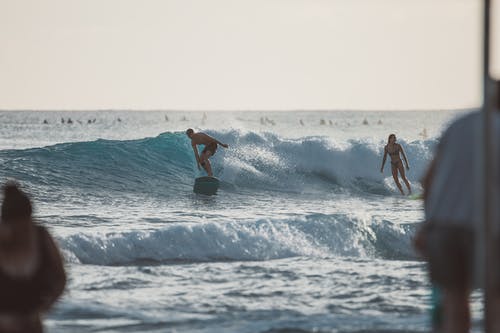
(305, 234)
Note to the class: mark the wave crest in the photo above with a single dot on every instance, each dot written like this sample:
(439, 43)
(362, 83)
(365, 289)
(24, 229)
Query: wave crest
(316, 235)
(166, 163)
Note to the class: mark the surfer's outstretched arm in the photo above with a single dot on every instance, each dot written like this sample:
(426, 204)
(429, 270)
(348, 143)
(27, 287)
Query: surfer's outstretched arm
(196, 155)
(221, 144)
(383, 160)
(404, 157)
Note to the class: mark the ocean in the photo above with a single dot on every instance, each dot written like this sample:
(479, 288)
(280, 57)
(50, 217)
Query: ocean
(304, 235)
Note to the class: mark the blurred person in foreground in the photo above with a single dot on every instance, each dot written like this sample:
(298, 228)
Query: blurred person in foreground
(32, 274)
(447, 238)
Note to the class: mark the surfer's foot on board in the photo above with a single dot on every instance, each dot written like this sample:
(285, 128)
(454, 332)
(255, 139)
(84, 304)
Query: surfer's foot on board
(407, 183)
(401, 189)
(208, 168)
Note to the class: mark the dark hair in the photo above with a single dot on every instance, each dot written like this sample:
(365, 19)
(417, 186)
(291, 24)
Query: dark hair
(389, 138)
(16, 203)
(189, 131)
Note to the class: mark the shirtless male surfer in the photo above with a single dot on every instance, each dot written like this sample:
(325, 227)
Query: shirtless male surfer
(209, 150)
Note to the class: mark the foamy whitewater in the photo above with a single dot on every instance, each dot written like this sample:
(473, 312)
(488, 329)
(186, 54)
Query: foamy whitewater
(305, 234)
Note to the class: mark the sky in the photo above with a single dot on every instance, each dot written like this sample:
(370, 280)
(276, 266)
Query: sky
(240, 54)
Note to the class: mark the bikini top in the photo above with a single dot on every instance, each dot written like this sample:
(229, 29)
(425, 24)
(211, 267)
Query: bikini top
(395, 152)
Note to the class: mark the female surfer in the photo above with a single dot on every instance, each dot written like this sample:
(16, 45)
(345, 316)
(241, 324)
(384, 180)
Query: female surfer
(394, 150)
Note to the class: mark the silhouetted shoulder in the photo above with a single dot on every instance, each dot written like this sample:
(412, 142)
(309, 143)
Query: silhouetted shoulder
(39, 291)
(465, 122)
(51, 275)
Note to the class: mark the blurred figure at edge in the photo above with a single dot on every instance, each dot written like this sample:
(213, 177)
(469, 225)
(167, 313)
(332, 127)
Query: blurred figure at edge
(32, 275)
(448, 238)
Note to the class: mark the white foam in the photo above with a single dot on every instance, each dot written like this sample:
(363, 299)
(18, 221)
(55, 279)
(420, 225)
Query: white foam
(316, 235)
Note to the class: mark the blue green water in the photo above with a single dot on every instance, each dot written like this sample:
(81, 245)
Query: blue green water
(304, 235)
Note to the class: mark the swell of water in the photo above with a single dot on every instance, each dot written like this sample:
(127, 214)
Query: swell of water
(255, 161)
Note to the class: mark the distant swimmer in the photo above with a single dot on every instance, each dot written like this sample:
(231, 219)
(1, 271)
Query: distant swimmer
(209, 150)
(394, 150)
(423, 134)
(270, 121)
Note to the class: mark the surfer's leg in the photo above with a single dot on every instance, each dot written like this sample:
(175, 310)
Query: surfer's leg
(208, 167)
(396, 179)
(205, 163)
(403, 175)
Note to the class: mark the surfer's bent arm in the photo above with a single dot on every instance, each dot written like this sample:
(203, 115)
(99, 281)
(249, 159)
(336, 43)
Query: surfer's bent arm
(383, 160)
(404, 157)
(196, 155)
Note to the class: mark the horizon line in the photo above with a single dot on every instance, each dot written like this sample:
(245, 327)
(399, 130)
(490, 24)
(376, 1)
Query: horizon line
(241, 110)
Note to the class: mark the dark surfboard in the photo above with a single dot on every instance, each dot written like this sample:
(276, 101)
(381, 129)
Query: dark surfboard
(206, 185)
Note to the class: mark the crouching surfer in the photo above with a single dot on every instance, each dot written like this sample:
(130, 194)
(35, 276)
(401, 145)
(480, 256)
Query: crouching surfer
(208, 151)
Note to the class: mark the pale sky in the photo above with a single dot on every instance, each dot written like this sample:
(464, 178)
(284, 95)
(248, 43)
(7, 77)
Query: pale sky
(240, 54)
